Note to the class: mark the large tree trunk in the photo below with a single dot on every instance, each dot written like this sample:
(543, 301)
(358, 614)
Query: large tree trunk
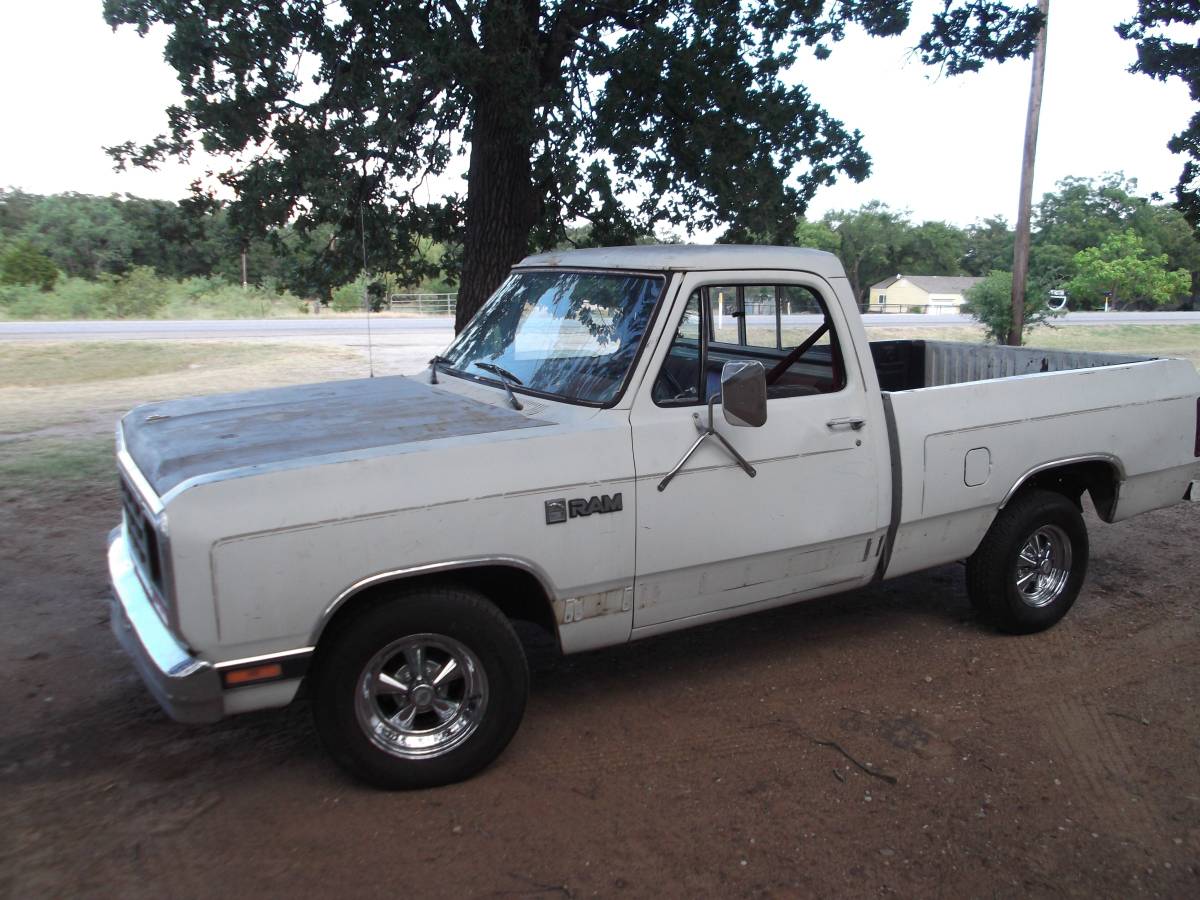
(502, 207)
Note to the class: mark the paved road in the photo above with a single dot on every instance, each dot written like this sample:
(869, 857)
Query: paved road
(438, 329)
(221, 328)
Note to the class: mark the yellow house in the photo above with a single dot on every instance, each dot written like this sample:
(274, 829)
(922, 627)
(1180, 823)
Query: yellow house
(920, 293)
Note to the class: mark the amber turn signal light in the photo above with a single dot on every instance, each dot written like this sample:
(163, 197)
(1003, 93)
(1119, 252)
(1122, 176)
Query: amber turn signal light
(234, 677)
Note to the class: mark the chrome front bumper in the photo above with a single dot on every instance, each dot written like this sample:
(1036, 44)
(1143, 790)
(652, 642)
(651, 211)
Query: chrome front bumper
(189, 689)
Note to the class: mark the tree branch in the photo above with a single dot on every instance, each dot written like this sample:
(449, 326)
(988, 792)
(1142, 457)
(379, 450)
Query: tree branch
(461, 20)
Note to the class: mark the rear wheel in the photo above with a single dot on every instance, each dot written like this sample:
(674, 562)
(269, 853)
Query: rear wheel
(1029, 568)
(423, 689)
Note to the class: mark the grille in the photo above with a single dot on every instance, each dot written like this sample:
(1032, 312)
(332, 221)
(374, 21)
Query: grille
(143, 542)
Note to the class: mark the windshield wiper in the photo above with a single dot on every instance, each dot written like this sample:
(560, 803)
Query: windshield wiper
(433, 364)
(505, 377)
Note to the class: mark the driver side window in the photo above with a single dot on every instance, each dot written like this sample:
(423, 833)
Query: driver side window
(785, 327)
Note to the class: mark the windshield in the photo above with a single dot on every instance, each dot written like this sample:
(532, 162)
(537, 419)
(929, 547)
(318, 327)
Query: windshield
(573, 334)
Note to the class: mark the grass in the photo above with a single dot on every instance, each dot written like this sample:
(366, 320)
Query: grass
(55, 462)
(1152, 340)
(24, 365)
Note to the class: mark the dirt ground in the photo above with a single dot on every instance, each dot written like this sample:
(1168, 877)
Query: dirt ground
(881, 742)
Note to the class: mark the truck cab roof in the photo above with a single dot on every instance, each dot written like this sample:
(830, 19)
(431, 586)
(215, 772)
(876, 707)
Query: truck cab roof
(690, 258)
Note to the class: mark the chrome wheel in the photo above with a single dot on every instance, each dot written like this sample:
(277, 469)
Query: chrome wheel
(1043, 566)
(421, 696)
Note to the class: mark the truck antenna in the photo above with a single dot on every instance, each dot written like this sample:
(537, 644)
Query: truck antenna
(362, 233)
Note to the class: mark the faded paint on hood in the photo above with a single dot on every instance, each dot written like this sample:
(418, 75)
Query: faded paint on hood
(180, 439)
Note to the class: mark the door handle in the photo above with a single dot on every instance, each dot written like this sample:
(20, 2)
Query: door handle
(854, 423)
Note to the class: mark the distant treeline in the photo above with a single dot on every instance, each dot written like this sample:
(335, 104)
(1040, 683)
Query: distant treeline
(89, 237)
(1079, 228)
(1087, 233)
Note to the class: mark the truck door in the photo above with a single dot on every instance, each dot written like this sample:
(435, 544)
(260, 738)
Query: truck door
(714, 541)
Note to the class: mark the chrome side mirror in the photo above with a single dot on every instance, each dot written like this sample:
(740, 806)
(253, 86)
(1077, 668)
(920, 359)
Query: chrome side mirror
(744, 393)
(743, 400)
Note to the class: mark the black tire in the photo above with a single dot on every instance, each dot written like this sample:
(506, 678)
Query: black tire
(1035, 520)
(393, 732)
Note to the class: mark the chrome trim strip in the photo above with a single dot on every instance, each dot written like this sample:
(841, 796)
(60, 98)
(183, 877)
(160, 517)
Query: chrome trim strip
(1067, 461)
(168, 654)
(186, 687)
(155, 505)
(265, 658)
(430, 569)
(135, 476)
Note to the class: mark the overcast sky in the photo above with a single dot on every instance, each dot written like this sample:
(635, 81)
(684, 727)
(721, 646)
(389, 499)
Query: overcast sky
(943, 148)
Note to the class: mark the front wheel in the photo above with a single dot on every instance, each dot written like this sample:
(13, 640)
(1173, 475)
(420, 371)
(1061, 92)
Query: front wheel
(421, 690)
(1029, 568)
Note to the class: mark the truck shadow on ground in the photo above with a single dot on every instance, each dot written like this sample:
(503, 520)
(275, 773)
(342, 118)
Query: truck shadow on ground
(123, 731)
(835, 623)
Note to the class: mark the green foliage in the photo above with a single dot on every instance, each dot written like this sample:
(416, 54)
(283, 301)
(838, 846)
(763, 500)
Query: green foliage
(1124, 269)
(1156, 29)
(141, 294)
(24, 264)
(869, 239)
(88, 237)
(624, 114)
(215, 298)
(818, 236)
(990, 302)
(70, 298)
(1085, 212)
(876, 242)
(988, 247)
(933, 247)
(348, 297)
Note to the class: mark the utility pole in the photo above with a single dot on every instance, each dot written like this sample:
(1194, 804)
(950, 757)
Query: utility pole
(1024, 213)
(243, 268)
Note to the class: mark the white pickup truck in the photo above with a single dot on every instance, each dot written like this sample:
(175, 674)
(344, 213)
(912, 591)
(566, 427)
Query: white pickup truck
(564, 463)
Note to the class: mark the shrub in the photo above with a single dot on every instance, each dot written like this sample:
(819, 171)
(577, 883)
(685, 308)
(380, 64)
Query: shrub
(71, 298)
(990, 301)
(25, 264)
(138, 294)
(348, 297)
(142, 294)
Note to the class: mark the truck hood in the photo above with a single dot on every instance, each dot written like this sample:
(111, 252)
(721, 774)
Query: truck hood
(174, 441)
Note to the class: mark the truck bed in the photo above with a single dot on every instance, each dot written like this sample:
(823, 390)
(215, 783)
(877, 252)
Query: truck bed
(910, 365)
(969, 423)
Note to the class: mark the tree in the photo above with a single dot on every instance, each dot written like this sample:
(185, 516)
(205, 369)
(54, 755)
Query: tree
(1155, 30)
(875, 242)
(85, 236)
(621, 113)
(990, 302)
(24, 264)
(1082, 212)
(871, 239)
(988, 247)
(1122, 270)
(817, 236)
(1085, 212)
(16, 207)
(933, 248)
